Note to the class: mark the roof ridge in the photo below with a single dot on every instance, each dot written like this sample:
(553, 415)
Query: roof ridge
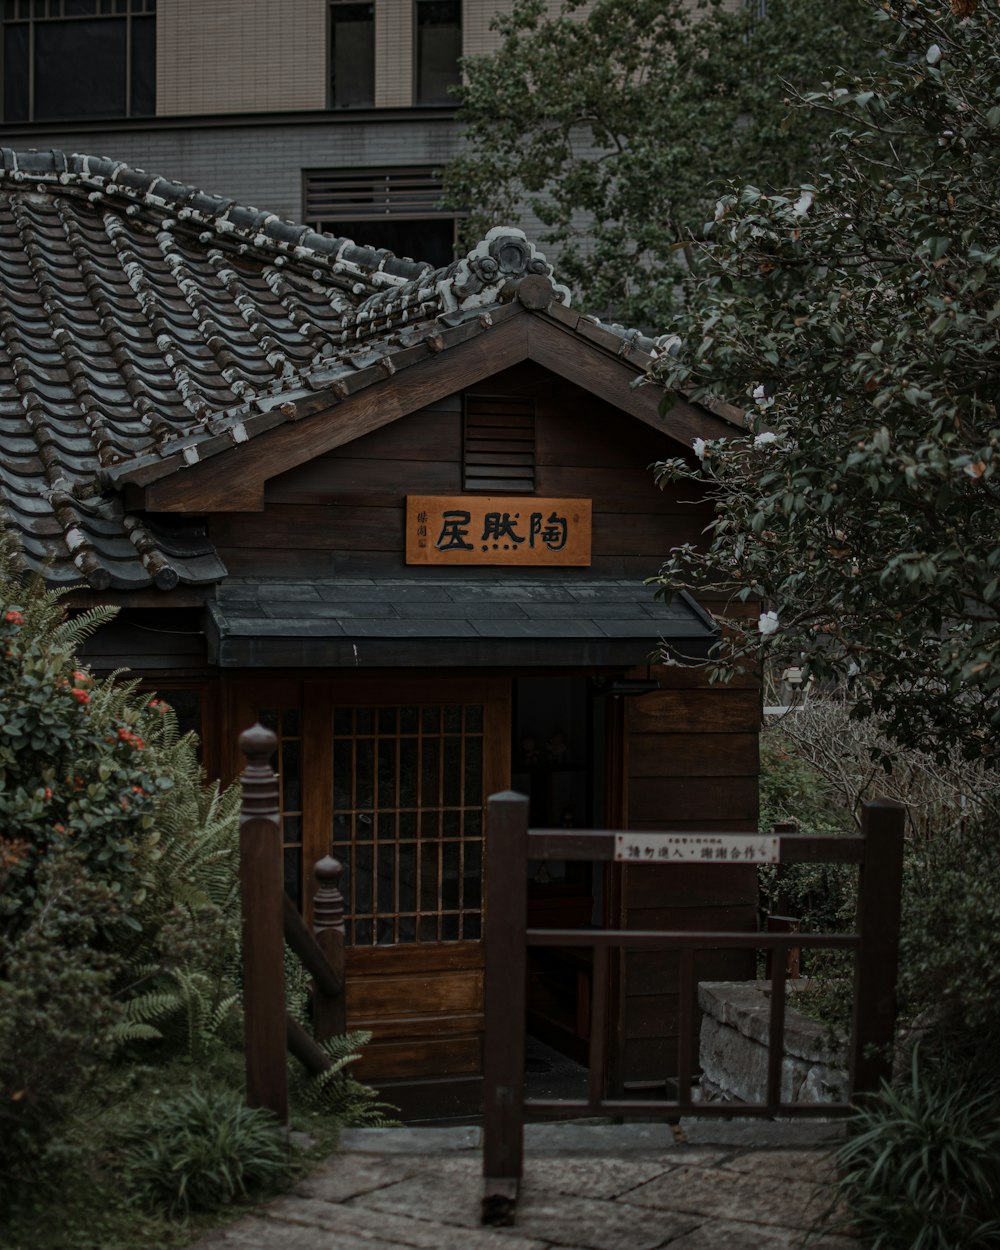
(260, 230)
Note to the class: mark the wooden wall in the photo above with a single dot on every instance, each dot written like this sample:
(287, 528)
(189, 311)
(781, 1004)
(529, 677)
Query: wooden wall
(341, 515)
(691, 763)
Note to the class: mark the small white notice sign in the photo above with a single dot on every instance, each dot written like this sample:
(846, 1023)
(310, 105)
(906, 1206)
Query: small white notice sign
(696, 848)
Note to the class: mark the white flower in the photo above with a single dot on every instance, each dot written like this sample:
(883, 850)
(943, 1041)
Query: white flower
(803, 204)
(767, 623)
(699, 448)
(761, 397)
(762, 440)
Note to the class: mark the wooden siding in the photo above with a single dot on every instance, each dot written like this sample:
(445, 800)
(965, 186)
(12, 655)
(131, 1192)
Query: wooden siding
(342, 513)
(691, 763)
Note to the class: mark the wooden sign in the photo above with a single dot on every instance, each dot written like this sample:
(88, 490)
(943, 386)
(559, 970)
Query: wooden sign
(488, 529)
(696, 848)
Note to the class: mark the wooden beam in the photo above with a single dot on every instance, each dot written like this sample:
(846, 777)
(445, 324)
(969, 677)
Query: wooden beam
(233, 480)
(573, 358)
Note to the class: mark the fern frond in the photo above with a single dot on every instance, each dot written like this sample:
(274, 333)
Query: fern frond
(334, 1091)
(72, 633)
(124, 1033)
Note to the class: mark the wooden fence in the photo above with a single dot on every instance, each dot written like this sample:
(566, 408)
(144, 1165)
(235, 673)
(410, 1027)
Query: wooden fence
(270, 919)
(875, 942)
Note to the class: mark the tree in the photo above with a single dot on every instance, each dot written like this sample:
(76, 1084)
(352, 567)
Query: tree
(857, 318)
(618, 124)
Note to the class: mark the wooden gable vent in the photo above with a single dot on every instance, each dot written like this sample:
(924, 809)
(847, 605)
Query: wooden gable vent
(498, 449)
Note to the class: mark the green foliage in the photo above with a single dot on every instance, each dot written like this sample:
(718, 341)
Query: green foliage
(855, 318)
(70, 775)
(56, 1015)
(950, 949)
(202, 1149)
(790, 789)
(183, 983)
(921, 1170)
(617, 124)
(184, 1005)
(337, 1093)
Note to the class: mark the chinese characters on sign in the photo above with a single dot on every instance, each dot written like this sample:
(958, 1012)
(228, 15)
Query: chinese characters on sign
(483, 529)
(696, 848)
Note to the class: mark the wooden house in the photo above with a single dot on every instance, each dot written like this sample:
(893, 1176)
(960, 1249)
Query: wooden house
(402, 516)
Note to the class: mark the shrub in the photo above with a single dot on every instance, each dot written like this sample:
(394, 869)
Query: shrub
(949, 983)
(202, 1149)
(67, 778)
(56, 1014)
(922, 1168)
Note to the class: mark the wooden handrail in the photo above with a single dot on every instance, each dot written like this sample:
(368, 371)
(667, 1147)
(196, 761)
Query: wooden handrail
(269, 919)
(310, 952)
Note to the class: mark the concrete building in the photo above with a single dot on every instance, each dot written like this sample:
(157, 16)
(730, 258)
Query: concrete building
(334, 113)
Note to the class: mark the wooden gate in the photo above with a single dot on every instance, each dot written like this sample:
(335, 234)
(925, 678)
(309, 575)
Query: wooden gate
(510, 844)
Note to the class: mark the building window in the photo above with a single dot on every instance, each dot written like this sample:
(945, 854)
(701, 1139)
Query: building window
(393, 208)
(70, 59)
(439, 49)
(352, 55)
(408, 822)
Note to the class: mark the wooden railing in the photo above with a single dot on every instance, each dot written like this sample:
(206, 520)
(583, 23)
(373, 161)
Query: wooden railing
(875, 941)
(270, 919)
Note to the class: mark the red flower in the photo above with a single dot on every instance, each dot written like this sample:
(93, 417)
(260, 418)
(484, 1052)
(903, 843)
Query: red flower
(59, 828)
(82, 679)
(14, 618)
(48, 794)
(81, 696)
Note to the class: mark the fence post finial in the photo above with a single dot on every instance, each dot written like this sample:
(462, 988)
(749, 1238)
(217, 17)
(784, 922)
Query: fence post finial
(328, 902)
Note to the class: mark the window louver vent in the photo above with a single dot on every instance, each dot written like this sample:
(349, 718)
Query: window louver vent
(499, 445)
(369, 194)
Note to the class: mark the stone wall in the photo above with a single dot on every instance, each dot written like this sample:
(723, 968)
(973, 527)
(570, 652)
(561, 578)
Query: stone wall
(735, 1030)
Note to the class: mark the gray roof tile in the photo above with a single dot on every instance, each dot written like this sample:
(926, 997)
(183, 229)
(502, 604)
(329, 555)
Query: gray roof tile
(146, 325)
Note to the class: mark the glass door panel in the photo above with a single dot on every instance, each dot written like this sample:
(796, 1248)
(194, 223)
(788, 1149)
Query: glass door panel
(407, 821)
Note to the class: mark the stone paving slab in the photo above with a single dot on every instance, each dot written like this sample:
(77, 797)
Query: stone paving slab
(812, 1167)
(423, 1231)
(560, 1220)
(347, 1175)
(723, 1193)
(737, 1235)
(753, 1134)
(420, 1189)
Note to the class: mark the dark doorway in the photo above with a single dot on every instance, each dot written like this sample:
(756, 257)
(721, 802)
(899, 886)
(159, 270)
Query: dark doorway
(557, 731)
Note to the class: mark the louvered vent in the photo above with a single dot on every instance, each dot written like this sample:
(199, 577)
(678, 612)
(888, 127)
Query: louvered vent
(499, 444)
(333, 195)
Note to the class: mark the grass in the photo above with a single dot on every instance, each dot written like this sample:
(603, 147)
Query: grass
(85, 1202)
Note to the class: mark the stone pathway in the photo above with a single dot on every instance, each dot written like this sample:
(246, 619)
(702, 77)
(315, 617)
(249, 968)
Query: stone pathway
(586, 1187)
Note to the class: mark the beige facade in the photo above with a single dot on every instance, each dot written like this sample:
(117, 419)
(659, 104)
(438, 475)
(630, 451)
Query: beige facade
(394, 59)
(240, 56)
(255, 56)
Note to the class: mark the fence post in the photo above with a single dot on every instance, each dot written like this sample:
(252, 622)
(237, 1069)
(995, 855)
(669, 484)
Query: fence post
(879, 908)
(261, 891)
(329, 1014)
(506, 957)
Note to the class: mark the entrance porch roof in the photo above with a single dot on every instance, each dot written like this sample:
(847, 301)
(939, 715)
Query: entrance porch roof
(477, 622)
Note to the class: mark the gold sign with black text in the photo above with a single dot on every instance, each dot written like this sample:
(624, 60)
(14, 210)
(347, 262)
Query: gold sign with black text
(492, 529)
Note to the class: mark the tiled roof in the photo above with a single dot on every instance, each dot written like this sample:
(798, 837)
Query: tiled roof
(359, 622)
(145, 326)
